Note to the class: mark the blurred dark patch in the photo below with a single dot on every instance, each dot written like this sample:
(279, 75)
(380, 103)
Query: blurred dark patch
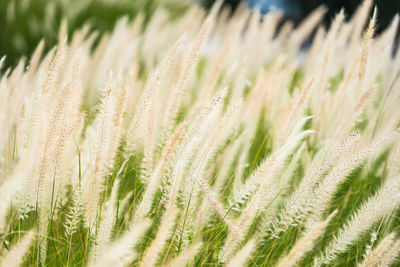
(387, 9)
(297, 9)
(231, 4)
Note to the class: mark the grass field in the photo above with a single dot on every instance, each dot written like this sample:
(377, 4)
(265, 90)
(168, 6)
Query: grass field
(204, 140)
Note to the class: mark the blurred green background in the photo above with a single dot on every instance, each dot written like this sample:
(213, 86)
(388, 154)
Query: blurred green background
(24, 23)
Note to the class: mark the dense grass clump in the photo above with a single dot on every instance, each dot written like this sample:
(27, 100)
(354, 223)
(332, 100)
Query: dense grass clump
(204, 141)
